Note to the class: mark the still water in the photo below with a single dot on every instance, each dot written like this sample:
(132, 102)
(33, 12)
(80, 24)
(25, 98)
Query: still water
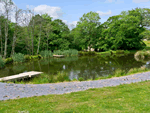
(88, 67)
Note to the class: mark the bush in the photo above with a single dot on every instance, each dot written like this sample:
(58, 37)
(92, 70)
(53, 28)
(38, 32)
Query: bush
(81, 79)
(27, 57)
(18, 57)
(58, 52)
(8, 60)
(141, 55)
(46, 53)
(2, 63)
(35, 57)
(70, 52)
(39, 56)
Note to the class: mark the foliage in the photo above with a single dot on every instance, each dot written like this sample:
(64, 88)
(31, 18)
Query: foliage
(18, 57)
(120, 32)
(27, 57)
(87, 30)
(2, 63)
(81, 79)
(46, 53)
(36, 57)
(141, 55)
(82, 53)
(70, 52)
(8, 60)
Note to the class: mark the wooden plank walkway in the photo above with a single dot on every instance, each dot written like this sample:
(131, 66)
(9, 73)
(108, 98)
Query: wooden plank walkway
(21, 75)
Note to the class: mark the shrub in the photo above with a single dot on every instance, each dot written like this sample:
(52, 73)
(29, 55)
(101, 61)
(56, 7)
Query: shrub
(27, 57)
(62, 77)
(80, 79)
(8, 60)
(58, 52)
(141, 55)
(39, 56)
(46, 53)
(119, 72)
(18, 57)
(70, 52)
(2, 63)
(73, 52)
(35, 57)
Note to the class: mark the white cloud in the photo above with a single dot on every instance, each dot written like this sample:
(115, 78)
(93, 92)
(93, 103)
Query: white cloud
(65, 21)
(104, 13)
(71, 25)
(54, 12)
(139, 1)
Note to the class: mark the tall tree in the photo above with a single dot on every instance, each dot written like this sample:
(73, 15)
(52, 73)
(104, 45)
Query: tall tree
(87, 26)
(8, 5)
(17, 17)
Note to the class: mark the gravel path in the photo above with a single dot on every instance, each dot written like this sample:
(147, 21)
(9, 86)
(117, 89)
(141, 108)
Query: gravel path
(13, 91)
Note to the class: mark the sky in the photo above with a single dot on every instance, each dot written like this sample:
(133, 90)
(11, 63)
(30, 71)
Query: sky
(70, 11)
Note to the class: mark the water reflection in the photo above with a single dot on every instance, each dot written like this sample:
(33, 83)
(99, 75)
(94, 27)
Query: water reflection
(88, 67)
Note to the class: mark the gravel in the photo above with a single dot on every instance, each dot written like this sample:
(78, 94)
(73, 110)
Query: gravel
(14, 91)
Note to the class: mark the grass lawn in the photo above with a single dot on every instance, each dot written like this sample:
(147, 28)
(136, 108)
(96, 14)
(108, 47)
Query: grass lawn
(132, 98)
(147, 44)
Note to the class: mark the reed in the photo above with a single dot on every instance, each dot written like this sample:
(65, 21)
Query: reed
(18, 57)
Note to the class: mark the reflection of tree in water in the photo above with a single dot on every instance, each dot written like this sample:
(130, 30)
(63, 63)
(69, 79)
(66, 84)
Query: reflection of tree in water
(19, 68)
(46, 61)
(55, 65)
(103, 66)
(87, 66)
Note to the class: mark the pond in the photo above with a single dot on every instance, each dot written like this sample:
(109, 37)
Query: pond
(88, 67)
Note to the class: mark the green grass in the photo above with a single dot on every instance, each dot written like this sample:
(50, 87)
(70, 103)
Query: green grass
(129, 98)
(147, 44)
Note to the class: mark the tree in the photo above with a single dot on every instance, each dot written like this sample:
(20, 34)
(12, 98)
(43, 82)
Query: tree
(87, 27)
(47, 27)
(17, 17)
(8, 5)
(122, 33)
(60, 35)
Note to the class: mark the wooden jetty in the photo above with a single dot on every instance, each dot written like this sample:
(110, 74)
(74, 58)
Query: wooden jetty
(58, 56)
(20, 76)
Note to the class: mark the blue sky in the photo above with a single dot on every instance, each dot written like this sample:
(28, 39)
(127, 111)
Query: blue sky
(71, 10)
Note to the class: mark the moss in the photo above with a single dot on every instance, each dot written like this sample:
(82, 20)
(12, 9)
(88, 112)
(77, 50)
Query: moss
(8, 60)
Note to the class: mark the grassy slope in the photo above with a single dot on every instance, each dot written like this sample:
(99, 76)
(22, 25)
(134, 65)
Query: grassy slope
(132, 98)
(147, 44)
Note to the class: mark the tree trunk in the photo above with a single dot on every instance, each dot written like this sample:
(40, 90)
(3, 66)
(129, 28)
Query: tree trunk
(13, 45)
(32, 33)
(6, 38)
(47, 43)
(1, 40)
(39, 40)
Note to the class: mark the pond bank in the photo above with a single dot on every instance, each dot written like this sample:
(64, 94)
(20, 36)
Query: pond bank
(14, 91)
